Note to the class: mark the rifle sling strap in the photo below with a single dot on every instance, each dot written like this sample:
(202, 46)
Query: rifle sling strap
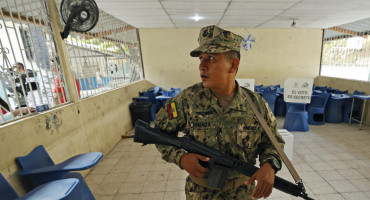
(269, 133)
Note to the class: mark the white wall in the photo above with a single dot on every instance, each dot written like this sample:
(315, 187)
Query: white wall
(277, 55)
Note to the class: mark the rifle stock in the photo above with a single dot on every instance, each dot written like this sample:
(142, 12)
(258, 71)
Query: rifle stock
(147, 135)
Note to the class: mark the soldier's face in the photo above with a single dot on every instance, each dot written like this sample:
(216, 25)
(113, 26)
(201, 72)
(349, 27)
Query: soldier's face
(214, 70)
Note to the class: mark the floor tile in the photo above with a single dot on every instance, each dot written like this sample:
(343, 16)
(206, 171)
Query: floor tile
(331, 175)
(155, 186)
(152, 196)
(343, 186)
(321, 187)
(333, 160)
(350, 174)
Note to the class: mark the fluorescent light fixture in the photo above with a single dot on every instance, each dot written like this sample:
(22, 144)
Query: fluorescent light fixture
(196, 17)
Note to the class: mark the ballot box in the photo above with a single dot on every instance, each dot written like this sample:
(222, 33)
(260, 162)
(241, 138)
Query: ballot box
(288, 138)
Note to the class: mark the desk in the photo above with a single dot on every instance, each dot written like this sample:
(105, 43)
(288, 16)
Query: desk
(364, 98)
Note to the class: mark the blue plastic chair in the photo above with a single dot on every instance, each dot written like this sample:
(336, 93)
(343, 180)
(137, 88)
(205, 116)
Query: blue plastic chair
(296, 118)
(257, 88)
(274, 87)
(155, 104)
(156, 90)
(39, 168)
(270, 98)
(334, 109)
(170, 93)
(316, 109)
(176, 90)
(265, 89)
(320, 88)
(341, 92)
(331, 90)
(280, 105)
(141, 99)
(163, 99)
(54, 190)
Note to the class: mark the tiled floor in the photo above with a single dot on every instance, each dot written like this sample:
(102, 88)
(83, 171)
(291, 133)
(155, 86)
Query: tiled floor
(333, 160)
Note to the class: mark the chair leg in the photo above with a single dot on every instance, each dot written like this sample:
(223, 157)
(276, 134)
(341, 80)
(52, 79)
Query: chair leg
(82, 191)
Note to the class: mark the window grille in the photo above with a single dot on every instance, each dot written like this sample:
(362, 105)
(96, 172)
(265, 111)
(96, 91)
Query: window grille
(346, 51)
(26, 38)
(105, 58)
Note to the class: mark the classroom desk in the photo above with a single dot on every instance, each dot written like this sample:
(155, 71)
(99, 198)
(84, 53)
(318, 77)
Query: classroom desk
(364, 98)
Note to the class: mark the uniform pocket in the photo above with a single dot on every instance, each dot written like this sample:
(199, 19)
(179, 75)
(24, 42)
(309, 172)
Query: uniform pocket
(248, 137)
(206, 135)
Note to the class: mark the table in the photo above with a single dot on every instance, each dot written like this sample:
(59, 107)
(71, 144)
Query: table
(364, 98)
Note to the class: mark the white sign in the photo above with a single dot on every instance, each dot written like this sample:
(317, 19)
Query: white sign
(298, 90)
(246, 83)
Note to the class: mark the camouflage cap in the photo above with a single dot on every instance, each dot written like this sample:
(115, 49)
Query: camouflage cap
(213, 39)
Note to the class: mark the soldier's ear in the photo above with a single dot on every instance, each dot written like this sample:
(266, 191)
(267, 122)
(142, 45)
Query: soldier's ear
(234, 65)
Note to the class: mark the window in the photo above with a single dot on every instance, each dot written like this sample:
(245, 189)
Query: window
(105, 58)
(346, 51)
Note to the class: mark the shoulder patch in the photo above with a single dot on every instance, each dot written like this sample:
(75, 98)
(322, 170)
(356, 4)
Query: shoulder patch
(171, 109)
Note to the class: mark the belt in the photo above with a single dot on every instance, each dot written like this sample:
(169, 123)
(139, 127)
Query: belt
(229, 183)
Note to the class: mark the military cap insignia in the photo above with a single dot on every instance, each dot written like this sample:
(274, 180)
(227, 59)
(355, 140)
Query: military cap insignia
(171, 109)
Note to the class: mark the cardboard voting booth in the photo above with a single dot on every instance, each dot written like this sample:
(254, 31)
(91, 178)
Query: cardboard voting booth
(298, 90)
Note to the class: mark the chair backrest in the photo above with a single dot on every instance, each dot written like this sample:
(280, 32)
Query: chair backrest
(38, 158)
(279, 89)
(150, 95)
(6, 190)
(358, 92)
(270, 98)
(275, 86)
(320, 87)
(341, 92)
(155, 90)
(319, 100)
(169, 93)
(265, 89)
(257, 88)
(331, 90)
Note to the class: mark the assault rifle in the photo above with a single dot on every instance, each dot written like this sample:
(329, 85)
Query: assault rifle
(219, 164)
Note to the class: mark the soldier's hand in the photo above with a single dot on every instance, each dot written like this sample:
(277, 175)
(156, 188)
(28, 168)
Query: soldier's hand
(190, 163)
(265, 177)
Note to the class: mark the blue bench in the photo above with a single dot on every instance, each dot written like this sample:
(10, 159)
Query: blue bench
(55, 190)
(38, 168)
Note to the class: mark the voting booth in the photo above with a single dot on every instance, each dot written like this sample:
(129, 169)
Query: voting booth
(297, 94)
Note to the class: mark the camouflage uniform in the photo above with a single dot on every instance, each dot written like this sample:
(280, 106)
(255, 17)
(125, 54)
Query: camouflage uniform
(234, 131)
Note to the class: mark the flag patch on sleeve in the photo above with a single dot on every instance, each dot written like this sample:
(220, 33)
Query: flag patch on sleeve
(172, 112)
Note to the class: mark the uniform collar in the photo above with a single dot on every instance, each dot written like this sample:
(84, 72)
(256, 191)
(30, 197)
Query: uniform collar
(236, 104)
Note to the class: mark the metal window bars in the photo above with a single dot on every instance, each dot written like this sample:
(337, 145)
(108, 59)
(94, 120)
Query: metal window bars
(346, 51)
(106, 57)
(103, 59)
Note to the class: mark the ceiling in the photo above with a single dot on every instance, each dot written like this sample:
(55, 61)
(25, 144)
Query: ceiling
(236, 13)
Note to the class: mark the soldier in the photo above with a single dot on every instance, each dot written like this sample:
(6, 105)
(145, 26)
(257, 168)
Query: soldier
(216, 113)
